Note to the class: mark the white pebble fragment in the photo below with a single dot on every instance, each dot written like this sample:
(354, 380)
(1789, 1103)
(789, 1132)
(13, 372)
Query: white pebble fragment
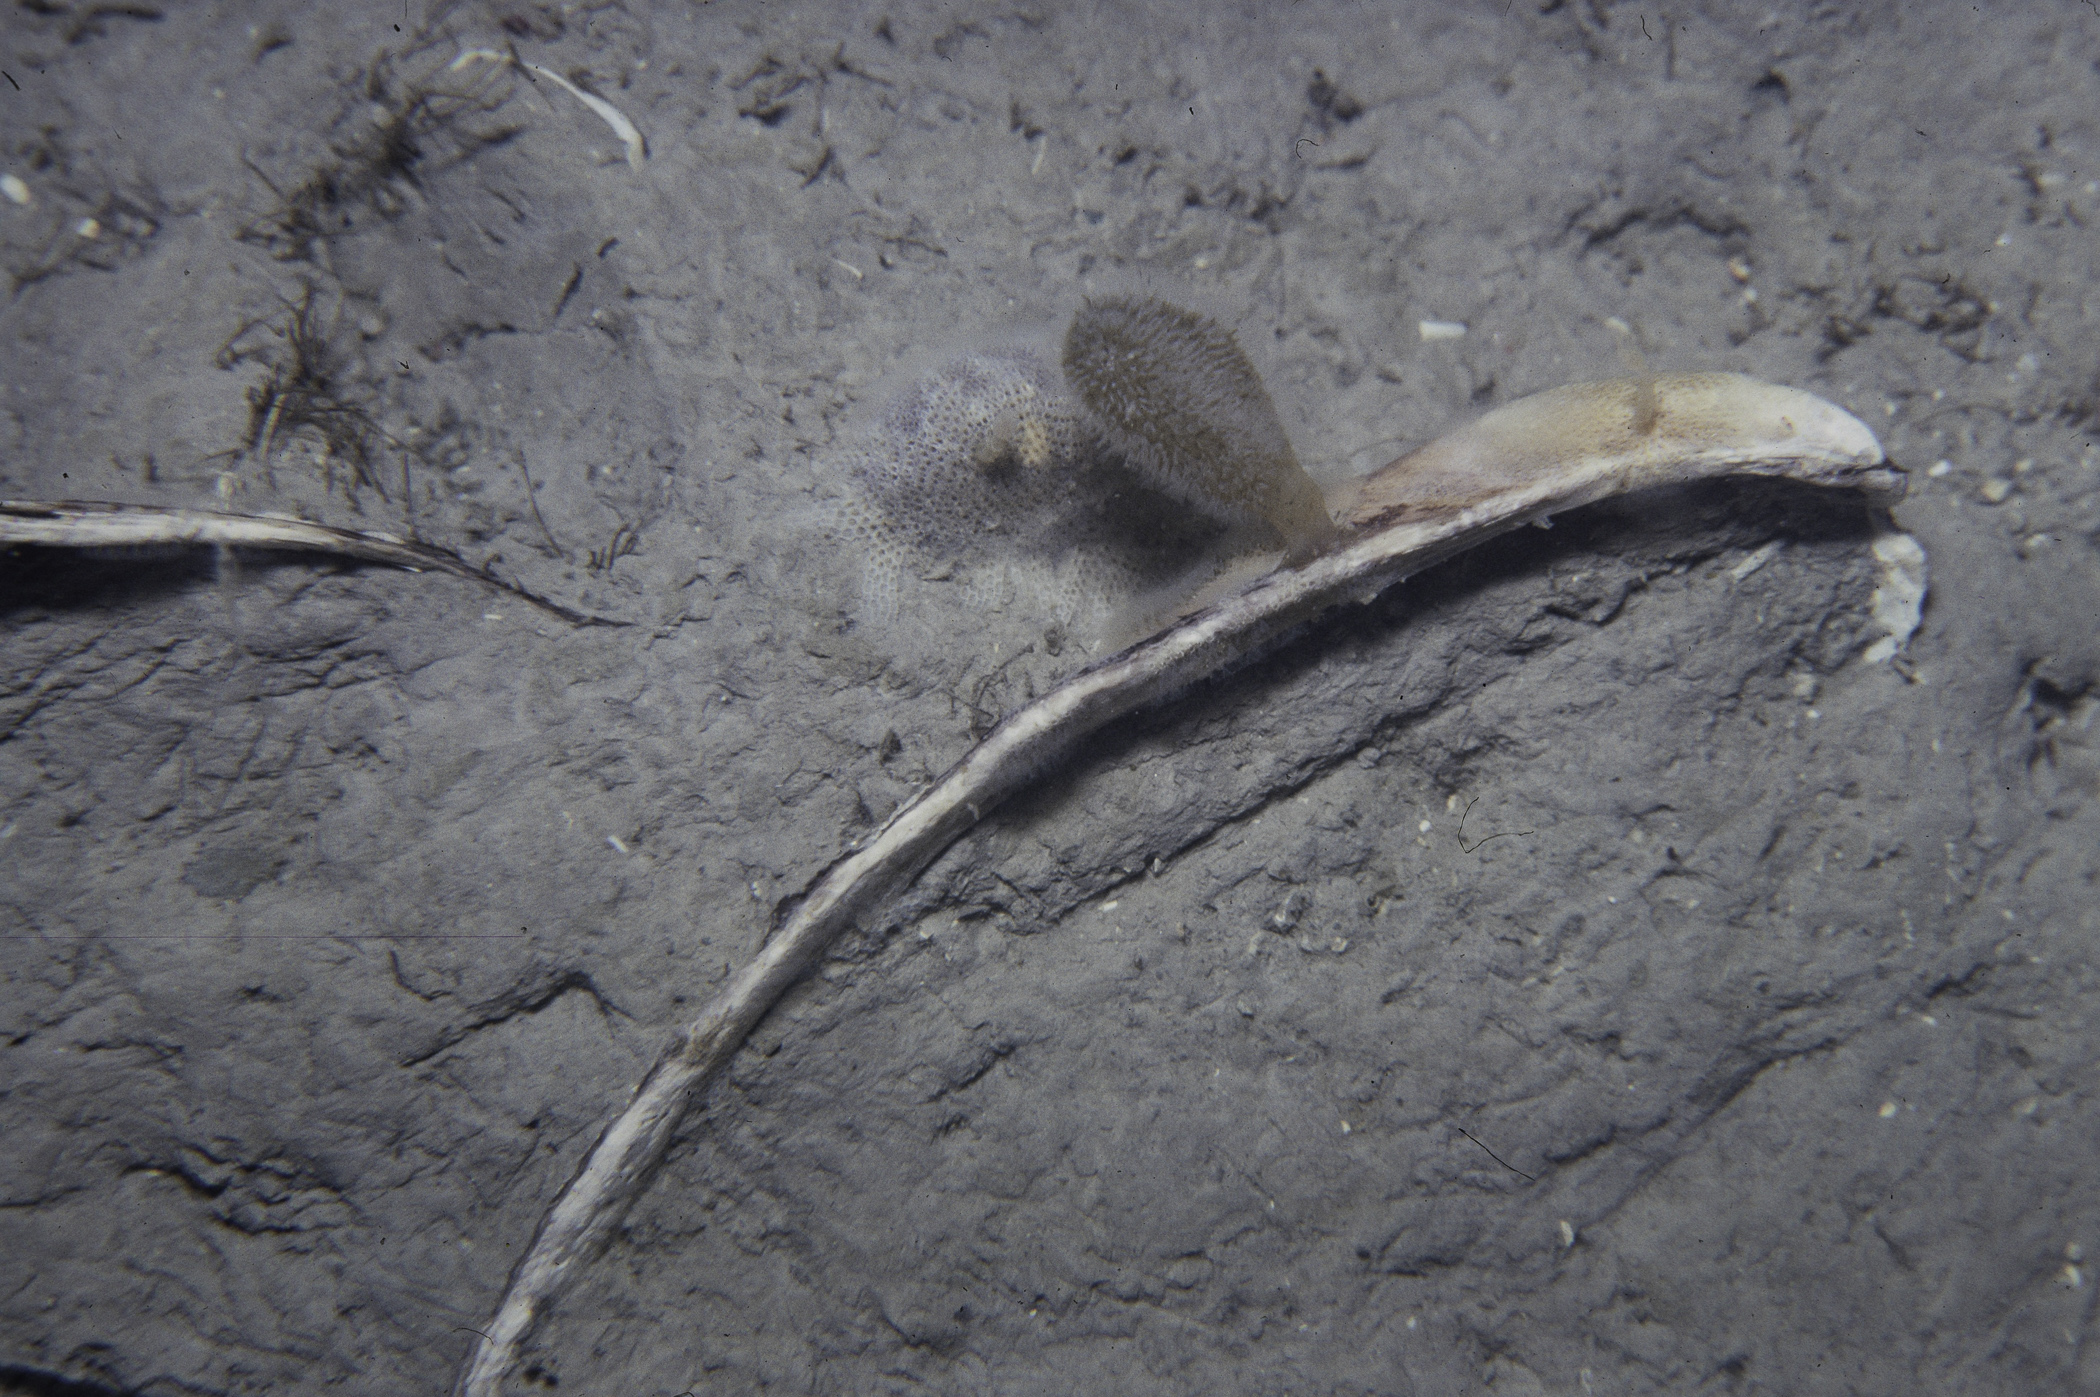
(1441, 330)
(1898, 603)
(16, 191)
(615, 841)
(1567, 1234)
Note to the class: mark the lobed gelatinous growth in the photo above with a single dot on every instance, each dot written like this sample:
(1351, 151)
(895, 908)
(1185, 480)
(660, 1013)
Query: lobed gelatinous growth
(973, 448)
(1177, 396)
(984, 447)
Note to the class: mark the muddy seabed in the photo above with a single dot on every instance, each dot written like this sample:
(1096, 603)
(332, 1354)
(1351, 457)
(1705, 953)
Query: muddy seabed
(1754, 1053)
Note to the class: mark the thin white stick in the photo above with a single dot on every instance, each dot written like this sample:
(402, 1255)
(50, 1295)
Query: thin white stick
(1791, 435)
(631, 139)
(83, 524)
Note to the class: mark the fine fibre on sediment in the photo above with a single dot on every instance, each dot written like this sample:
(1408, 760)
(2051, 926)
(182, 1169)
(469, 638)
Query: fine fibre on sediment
(1174, 392)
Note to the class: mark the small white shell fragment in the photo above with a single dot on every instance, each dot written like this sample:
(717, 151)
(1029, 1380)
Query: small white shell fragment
(88, 228)
(1567, 1234)
(631, 139)
(1756, 560)
(1441, 330)
(1941, 468)
(1898, 603)
(16, 191)
(1995, 490)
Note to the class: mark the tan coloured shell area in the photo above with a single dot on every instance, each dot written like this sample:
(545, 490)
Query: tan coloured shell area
(1644, 422)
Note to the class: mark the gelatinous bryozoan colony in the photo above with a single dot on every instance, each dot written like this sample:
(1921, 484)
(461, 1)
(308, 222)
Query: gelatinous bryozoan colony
(1177, 396)
(1068, 490)
(973, 465)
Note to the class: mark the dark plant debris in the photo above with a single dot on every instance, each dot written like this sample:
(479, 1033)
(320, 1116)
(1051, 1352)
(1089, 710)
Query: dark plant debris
(307, 388)
(416, 115)
(624, 541)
